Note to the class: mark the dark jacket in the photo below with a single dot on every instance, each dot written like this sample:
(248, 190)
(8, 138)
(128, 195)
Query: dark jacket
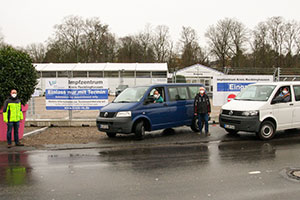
(202, 104)
(12, 110)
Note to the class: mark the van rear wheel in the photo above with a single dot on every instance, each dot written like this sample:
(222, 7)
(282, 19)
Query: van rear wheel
(266, 131)
(195, 123)
(139, 130)
(111, 134)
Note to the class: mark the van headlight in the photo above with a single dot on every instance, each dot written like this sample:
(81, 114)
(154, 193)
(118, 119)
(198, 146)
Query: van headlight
(250, 113)
(124, 114)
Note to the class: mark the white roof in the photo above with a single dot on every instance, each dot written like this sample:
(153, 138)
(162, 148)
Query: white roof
(198, 70)
(54, 67)
(101, 66)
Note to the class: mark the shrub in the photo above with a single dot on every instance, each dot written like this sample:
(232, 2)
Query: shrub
(16, 72)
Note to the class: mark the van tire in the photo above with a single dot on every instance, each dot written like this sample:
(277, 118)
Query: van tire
(111, 134)
(139, 130)
(231, 132)
(194, 125)
(266, 131)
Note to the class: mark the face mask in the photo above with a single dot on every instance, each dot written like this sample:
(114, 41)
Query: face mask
(201, 92)
(284, 92)
(155, 96)
(14, 95)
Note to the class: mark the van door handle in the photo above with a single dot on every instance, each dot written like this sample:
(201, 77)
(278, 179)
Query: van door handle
(291, 104)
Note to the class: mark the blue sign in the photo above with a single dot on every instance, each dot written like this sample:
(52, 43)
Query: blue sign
(76, 94)
(76, 99)
(231, 87)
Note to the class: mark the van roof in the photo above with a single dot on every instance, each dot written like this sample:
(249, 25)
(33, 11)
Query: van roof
(280, 83)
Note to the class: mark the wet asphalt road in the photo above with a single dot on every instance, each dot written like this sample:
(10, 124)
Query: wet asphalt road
(222, 167)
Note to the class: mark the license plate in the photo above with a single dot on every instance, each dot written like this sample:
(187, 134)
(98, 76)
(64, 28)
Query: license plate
(229, 126)
(104, 126)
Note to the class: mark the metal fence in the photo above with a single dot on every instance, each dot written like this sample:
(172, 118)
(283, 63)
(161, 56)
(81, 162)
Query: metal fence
(37, 115)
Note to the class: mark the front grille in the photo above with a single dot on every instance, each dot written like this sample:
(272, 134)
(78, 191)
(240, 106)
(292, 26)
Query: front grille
(232, 112)
(107, 114)
(231, 121)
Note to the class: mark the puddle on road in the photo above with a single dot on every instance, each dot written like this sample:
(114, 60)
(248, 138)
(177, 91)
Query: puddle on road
(14, 169)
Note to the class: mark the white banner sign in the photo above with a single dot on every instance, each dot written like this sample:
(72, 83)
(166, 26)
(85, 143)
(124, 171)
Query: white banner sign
(226, 87)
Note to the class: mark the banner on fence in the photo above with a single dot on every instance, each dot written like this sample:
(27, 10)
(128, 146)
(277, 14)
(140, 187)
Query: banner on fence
(76, 94)
(226, 87)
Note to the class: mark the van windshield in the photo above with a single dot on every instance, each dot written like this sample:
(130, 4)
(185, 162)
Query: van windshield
(130, 95)
(256, 93)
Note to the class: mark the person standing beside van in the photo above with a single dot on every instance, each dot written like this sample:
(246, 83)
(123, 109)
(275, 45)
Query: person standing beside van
(12, 114)
(202, 109)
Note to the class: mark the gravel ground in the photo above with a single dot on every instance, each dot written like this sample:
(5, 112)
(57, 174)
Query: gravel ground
(61, 135)
(64, 135)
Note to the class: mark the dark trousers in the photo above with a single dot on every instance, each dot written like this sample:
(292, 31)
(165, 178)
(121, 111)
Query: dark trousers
(203, 117)
(10, 126)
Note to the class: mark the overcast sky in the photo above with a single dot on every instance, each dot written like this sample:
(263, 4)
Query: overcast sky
(31, 21)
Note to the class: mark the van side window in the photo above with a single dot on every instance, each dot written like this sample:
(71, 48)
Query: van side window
(178, 93)
(283, 95)
(297, 92)
(173, 93)
(194, 90)
(183, 93)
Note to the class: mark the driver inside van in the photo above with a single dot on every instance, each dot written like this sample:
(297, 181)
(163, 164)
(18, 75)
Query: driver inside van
(284, 95)
(157, 97)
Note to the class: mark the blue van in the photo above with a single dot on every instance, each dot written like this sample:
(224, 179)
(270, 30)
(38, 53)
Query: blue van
(134, 110)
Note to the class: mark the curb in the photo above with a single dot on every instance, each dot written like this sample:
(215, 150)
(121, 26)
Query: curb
(35, 131)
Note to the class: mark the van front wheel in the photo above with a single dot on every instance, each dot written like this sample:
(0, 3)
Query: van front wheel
(140, 130)
(267, 131)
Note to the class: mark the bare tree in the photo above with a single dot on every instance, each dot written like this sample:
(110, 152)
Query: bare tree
(37, 52)
(297, 41)
(161, 43)
(276, 28)
(189, 47)
(260, 34)
(69, 34)
(97, 42)
(238, 38)
(145, 40)
(129, 50)
(219, 41)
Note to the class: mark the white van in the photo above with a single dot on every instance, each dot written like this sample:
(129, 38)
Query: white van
(263, 108)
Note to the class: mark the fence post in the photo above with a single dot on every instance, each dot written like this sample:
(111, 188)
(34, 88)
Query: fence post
(70, 111)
